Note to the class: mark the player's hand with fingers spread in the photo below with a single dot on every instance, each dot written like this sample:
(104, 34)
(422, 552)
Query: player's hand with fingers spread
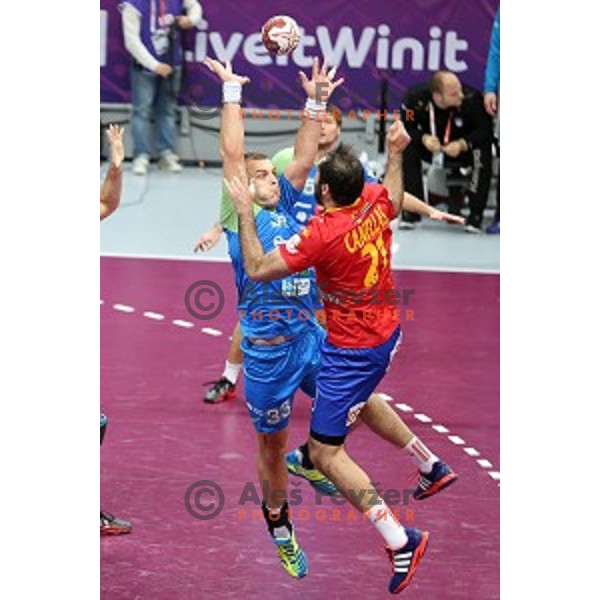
(321, 85)
(240, 194)
(225, 71)
(439, 215)
(117, 151)
(397, 138)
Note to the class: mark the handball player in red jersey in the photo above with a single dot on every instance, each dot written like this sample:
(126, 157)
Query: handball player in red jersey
(348, 244)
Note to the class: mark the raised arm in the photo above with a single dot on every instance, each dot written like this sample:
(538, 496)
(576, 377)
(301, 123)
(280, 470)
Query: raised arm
(397, 141)
(232, 124)
(318, 89)
(110, 194)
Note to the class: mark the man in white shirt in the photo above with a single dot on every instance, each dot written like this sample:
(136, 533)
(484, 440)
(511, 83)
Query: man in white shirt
(152, 32)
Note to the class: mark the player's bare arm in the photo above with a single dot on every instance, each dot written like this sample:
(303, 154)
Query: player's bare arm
(397, 140)
(110, 194)
(258, 265)
(412, 204)
(232, 126)
(318, 90)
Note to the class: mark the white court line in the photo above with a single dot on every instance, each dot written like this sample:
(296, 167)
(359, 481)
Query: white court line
(101, 301)
(434, 269)
(221, 259)
(181, 323)
(193, 258)
(423, 418)
(455, 439)
(440, 429)
(124, 308)
(384, 396)
(210, 331)
(471, 451)
(153, 315)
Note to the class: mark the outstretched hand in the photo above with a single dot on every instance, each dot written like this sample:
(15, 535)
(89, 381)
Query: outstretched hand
(321, 85)
(115, 139)
(439, 215)
(225, 71)
(208, 240)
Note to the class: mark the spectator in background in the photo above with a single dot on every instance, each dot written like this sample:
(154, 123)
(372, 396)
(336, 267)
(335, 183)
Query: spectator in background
(152, 32)
(448, 125)
(491, 88)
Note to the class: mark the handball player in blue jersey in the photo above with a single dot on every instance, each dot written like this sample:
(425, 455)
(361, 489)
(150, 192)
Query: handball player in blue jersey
(280, 335)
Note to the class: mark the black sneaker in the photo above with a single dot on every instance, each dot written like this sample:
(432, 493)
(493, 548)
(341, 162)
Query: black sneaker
(441, 477)
(406, 559)
(220, 391)
(110, 525)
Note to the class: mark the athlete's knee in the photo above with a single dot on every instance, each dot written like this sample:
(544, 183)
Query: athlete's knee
(272, 447)
(321, 454)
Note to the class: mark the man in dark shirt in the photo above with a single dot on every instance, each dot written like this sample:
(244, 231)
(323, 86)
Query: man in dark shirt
(448, 126)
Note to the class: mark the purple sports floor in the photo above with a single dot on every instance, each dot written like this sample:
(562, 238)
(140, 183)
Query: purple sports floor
(162, 438)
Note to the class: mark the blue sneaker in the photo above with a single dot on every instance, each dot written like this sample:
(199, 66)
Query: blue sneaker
(292, 557)
(441, 477)
(405, 560)
(494, 228)
(317, 480)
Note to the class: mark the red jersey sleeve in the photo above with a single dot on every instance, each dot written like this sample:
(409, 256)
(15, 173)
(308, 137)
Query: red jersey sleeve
(304, 249)
(375, 192)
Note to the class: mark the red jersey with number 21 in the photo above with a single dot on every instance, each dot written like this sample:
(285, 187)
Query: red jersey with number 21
(350, 250)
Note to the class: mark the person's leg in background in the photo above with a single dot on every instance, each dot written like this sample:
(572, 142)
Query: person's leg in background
(165, 110)
(224, 388)
(413, 179)
(142, 99)
(479, 186)
(494, 228)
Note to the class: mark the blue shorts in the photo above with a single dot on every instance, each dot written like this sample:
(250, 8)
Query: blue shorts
(348, 376)
(273, 374)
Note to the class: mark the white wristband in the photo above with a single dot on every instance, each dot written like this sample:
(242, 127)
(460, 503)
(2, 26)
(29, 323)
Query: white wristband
(232, 92)
(314, 109)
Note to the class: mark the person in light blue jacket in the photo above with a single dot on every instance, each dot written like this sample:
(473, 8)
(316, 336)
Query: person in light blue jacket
(491, 89)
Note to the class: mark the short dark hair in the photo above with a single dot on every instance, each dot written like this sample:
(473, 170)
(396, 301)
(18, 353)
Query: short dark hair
(256, 156)
(336, 113)
(344, 174)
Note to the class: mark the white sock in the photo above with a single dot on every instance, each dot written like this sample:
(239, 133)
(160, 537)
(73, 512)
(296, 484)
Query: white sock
(281, 533)
(232, 371)
(386, 524)
(422, 455)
